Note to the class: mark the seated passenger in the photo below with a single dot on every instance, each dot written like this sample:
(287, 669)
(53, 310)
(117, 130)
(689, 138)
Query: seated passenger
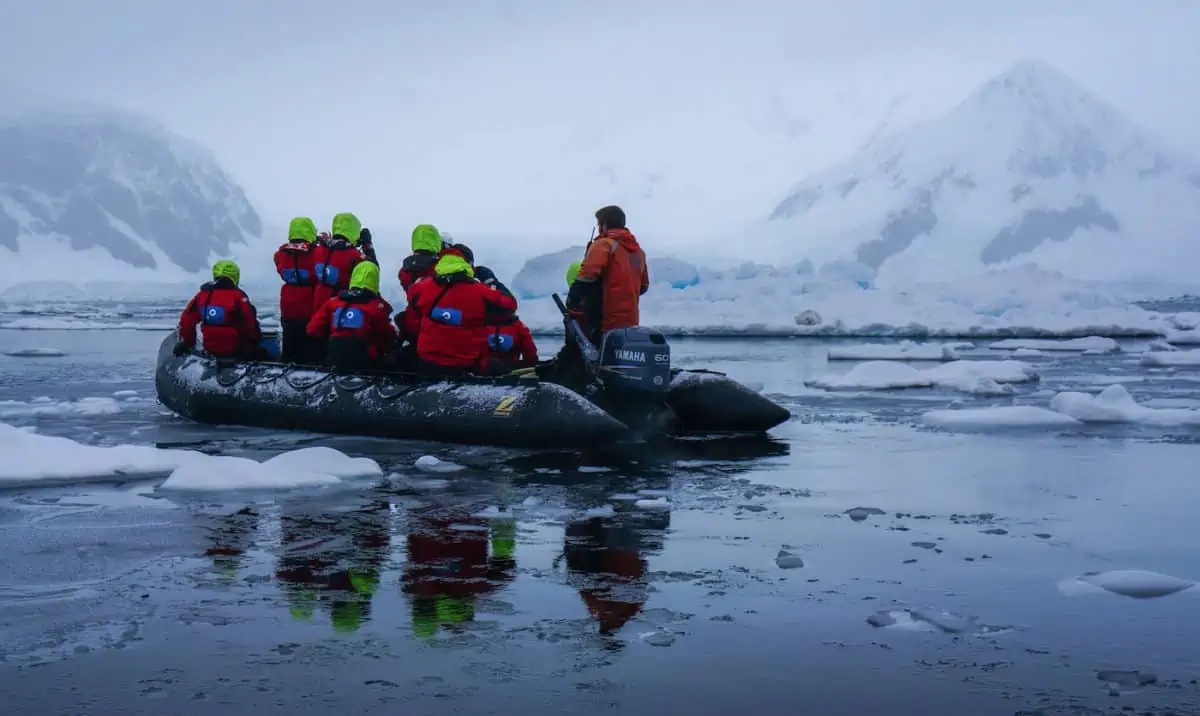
(357, 323)
(295, 265)
(334, 259)
(228, 321)
(510, 347)
(454, 310)
(426, 250)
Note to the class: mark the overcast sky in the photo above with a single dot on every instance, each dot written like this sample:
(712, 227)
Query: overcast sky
(518, 118)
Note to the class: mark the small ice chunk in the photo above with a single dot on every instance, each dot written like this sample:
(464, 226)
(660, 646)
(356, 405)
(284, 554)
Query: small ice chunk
(858, 514)
(600, 511)
(35, 353)
(1028, 353)
(1115, 405)
(297, 468)
(594, 468)
(1074, 345)
(660, 637)
(429, 463)
(1008, 416)
(903, 351)
(654, 493)
(624, 497)
(657, 503)
(875, 375)
(1172, 358)
(530, 501)
(1136, 583)
(125, 394)
(788, 560)
(1127, 678)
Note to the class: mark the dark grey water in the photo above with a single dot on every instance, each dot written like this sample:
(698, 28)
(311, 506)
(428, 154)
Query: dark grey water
(531, 583)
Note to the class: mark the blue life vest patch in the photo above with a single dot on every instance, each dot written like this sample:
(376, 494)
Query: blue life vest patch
(327, 274)
(349, 318)
(501, 342)
(295, 277)
(214, 316)
(447, 316)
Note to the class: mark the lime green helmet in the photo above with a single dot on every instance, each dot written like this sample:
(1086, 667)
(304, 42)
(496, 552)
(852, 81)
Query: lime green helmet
(302, 228)
(426, 237)
(227, 269)
(452, 264)
(573, 272)
(365, 275)
(347, 226)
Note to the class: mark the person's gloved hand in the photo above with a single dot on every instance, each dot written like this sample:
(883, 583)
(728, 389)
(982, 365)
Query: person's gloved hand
(364, 236)
(181, 348)
(544, 368)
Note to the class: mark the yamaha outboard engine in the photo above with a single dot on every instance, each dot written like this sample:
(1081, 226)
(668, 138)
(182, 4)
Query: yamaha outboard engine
(634, 375)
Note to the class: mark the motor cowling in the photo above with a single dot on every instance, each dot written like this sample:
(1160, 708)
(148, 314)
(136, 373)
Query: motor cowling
(635, 360)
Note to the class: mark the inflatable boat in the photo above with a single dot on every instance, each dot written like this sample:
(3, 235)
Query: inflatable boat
(635, 396)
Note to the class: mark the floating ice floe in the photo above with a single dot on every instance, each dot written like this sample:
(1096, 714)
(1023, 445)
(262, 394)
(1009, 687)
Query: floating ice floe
(1172, 358)
(1005, 416)
(45, 407)
(35, 353)
(906, 619)
(653, 503)
(1135, 583)
(903, 351)
(298, 468)
(1028, 353)
(1074, 345)
(71, 324)
(429, 463)
(976, 377)
(1115, 405)
(31, 458)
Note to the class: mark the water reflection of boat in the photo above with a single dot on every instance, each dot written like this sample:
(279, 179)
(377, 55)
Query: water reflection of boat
(333, 561)
(606, 562)
(455, 558)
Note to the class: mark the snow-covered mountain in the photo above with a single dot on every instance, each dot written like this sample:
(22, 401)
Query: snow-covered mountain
(90, 194)
(1030, 168)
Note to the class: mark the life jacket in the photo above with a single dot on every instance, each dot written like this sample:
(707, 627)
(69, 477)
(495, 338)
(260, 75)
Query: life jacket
(358, 324)
(295, 264)
(454, 312)
(510, 346)
(228, 321)
(333, 262)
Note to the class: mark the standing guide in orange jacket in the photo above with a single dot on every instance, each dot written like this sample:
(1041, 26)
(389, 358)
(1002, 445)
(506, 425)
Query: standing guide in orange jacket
(613, 272)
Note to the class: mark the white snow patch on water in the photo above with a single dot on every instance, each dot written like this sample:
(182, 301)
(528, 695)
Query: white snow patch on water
(1079, 345)
(1007, 416)
(35, 353)
(298, 468)
(1028, 353)
(1172, 358)
(429, 463)
(903, 351)
(45, 407)
(1115, 405)
(657, 503)
(31, 458)
(976, 377)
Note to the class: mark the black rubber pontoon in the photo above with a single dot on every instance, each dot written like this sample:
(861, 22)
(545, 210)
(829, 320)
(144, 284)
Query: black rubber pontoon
(507, 411)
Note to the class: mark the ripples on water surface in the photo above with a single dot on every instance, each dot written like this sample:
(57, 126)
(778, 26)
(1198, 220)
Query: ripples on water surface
(707, 579)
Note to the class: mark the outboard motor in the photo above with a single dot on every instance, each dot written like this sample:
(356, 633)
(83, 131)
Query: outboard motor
(634, 376)
(635, 363)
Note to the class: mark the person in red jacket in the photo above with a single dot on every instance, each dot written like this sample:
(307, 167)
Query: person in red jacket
(454, 311)
(426, 250)
(228, 321)
(357, 323)
(334, 259)
(510, 347)
(295, 264)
